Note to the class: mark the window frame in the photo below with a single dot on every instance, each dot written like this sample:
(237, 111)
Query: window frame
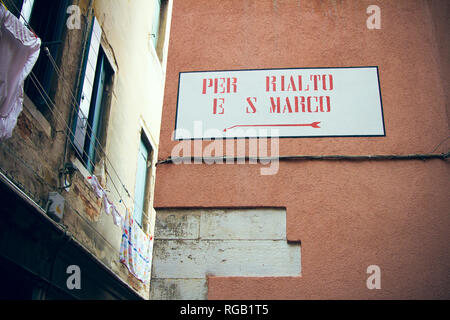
(92, 129)
(156, 22)
(52, 36)
(142, 217)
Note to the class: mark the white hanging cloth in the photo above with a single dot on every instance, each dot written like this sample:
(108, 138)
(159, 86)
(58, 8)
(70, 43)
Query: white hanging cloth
(108, 206)
(19, 50)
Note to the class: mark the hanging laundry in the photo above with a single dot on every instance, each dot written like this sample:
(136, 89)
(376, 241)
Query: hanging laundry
(136, 249)
(111, 209)
(116, 216)
(19, 50)
(108, 205)
(99, 192)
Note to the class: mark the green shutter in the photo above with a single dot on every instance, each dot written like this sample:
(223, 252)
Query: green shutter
(95, 113)
(141, 181)
(156, 22)
(86, 85)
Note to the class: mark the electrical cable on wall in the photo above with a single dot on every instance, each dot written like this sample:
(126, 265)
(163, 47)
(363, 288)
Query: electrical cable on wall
(43, 182)
(59, 116)
(376, 157)
(75, 106)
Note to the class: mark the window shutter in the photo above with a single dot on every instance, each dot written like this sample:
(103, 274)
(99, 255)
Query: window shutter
(95, 113)
(156, 22)
(141, 180)
(87, 83)
(27, 8)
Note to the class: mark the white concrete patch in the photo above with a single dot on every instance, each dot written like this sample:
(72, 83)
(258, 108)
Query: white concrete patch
(195, 258)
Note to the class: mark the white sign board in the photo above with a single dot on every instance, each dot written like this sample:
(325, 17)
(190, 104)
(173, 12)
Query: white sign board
(320, 102)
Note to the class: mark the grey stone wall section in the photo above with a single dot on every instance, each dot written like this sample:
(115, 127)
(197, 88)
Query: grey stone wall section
(178, 289)
(243, 224)
(195, 258)
(177, 224)
(193, 243)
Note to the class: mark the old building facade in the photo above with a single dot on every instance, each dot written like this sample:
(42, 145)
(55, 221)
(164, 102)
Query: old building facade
(91, 110)
(356, 216)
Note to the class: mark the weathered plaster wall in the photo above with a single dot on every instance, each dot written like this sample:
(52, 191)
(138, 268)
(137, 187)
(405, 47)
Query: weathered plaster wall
(35, 153)
(136, 107)
(347, 215)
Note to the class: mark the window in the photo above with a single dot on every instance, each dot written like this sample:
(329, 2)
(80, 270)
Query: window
(88, 123)
(47, 19)
(15, 6)
(142, 173)
(159, 25)
(156, 22)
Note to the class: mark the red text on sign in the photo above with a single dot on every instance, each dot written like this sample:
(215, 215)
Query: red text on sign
(299, 83)
(219, 85)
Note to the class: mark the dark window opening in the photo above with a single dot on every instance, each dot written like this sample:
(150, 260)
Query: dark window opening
(95, 128)
(159, 26)
(143, 173)
(47, 19)
(14, 6)
(89, 123)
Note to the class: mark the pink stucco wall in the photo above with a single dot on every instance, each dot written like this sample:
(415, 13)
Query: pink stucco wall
(347, 215)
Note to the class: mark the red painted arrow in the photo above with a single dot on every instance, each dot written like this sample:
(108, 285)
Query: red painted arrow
(314, 125)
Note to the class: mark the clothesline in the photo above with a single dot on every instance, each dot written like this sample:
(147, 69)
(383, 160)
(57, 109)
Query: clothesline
(98, 189)
(20, 13)
(136, 247)
(23, 61)
(75, 105)
(108, 205)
